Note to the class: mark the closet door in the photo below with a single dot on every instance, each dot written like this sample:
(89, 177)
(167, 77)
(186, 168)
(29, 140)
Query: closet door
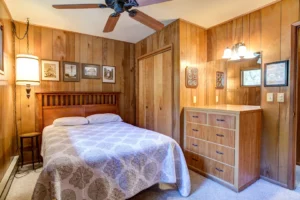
(155, 93)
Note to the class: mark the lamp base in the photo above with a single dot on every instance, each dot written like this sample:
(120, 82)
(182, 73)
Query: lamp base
(28, 90)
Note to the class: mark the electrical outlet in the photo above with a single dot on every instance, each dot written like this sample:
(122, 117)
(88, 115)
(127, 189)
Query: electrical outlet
(217, 99)
(280, 97)
(270, 97)
(195, 99)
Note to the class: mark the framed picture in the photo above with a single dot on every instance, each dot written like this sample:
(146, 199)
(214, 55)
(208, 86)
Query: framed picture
(191, 77)
(1, 49)
(109, 74)
(220, 80)
(71, 72)
(251, 77)
(91, 71)
(50, 70)
(276, 74)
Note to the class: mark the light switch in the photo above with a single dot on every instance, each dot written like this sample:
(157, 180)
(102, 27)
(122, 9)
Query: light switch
(270, 97)
(195, 99)
(217, 99)
(280, 97)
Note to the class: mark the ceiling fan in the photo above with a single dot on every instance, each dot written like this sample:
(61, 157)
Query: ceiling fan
(120, 6)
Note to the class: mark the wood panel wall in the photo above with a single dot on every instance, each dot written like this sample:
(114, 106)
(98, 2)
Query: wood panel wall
(8, 143)
(267, 30)
(168, 36)
(237, 94)
(54, 44)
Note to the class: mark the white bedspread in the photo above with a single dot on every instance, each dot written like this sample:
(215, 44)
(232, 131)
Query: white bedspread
(108, 161)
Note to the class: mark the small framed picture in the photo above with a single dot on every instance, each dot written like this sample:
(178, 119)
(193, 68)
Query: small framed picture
(109, 74)
(1, 49)
(220, 80)
(276, 74)
(50, 70)
(91, 71)
(191, 77)
(71, 72)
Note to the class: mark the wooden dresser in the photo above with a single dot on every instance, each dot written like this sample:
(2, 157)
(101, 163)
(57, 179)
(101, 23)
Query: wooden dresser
(223, 143)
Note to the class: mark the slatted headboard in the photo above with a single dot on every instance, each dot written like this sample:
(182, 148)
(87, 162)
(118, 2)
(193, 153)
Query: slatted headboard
(53, 105)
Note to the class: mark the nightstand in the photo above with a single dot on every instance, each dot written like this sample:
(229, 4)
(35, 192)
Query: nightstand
(32, 148)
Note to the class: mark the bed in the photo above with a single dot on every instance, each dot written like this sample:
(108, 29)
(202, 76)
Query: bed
(113, 160)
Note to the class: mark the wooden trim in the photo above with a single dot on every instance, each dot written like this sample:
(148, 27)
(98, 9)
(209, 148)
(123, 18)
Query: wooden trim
(154, 53)
(7, 10)
(294, 107)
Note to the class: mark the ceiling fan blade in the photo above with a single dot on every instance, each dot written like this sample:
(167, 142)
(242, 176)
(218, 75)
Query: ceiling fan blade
(146, 20)
(111, 23)
(78, 6)
(150, 2)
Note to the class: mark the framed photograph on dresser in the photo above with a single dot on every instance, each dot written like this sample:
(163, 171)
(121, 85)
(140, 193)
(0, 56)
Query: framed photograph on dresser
(50, 70)
(1, 49)
(71, 72)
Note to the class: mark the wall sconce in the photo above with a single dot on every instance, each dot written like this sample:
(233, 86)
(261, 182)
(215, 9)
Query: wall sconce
(27, 71)
(27, 66)
(237, 52)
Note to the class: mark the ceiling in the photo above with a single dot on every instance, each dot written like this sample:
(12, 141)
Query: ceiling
(205, 13)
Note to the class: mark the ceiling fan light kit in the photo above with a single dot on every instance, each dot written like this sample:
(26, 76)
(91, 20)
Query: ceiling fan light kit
(120, 6)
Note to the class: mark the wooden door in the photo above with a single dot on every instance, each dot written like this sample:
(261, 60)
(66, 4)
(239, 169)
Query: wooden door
(155, 93)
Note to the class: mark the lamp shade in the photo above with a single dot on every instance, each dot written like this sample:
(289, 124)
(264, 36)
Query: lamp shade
(227, 53)
(242, 50)
(27, 70)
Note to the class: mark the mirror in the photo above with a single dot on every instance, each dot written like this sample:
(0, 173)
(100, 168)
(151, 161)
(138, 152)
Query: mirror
(244, 80)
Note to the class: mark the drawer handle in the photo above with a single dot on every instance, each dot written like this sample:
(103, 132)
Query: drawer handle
(195, 159)
(221, 120)
(195, 130)
(219, 152)
(220, 170)
(195, 145)
(195, 116)
(220, 135)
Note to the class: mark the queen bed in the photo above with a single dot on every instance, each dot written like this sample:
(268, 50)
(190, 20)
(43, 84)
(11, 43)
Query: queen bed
(97, 161)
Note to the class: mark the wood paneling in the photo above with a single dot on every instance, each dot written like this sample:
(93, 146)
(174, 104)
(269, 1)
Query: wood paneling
(267, 30)
(8, 147)
(61, 45)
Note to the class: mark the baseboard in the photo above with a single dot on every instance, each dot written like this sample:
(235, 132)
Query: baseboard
(8, 178)
(274, 182)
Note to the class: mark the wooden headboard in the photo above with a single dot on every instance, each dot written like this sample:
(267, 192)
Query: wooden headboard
(53, 105)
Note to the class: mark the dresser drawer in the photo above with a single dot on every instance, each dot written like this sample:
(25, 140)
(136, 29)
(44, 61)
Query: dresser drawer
(196, 117)
(221, 171)
(221, 136)
(209, 166)
(196, 146)
(197, 131)
(220, 153)
(224, 121)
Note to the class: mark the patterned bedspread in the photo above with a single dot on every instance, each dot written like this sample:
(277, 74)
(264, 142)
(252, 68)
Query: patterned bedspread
(108, 161)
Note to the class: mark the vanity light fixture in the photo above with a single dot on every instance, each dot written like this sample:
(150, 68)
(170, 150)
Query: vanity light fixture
(237, 52)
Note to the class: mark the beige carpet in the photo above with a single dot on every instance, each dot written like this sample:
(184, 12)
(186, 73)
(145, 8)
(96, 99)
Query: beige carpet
(202, 188)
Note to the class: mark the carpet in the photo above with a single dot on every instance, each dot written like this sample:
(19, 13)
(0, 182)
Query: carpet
(202, 188)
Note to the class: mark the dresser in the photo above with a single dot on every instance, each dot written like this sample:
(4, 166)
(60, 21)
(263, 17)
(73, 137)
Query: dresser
(223, 143)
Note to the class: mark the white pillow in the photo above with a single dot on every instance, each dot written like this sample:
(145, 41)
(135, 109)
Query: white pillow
(104, 118)
(70, 121)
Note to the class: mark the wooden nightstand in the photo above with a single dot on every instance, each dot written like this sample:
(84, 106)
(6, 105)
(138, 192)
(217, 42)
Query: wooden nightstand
(32, 136)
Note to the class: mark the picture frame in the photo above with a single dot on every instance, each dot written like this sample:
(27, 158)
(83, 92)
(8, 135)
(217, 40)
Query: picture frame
(220, 80)
(251, 77)
(276, 74)
(50, 70)
(90, 71)
(191, 77)
(1, 49)
(71, 71)
(109, 74)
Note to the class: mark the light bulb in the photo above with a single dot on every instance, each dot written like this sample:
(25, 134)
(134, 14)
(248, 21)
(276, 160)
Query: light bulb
(227, 53)
(242, 50)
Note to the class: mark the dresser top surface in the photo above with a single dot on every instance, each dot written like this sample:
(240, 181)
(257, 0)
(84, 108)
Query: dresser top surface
(234, 108)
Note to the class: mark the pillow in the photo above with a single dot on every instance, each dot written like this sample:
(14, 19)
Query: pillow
(70, 121)
(104, 118)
